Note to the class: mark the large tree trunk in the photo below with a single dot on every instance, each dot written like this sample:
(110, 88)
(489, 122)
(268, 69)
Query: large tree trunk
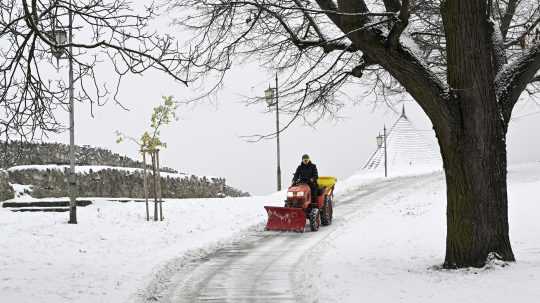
(477, 203)
(474, 151)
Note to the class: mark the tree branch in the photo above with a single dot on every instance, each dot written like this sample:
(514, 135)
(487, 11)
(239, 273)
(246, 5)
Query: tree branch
(330, 5)
(399, 26)
(425, 86)
(508, 16)
(499, 52)
(535, 79)
(392, 5)
(513, 79)
(523, 35)
(358, 6)
(30, 98)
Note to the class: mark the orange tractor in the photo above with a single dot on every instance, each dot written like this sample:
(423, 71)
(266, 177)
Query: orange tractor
(298, 208)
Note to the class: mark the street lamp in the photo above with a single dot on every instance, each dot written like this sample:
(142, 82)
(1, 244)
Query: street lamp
(269, 97)
(60, 36)
(381, 140)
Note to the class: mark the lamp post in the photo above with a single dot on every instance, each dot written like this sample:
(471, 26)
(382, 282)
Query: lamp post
(59, 36)
(72, 181)
(381, 140)
(269, 96)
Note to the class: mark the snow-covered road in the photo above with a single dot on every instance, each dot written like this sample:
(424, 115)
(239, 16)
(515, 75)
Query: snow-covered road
(270, 266)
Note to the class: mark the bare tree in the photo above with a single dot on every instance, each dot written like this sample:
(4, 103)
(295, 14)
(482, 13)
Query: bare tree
(110, 32)
(465, 62)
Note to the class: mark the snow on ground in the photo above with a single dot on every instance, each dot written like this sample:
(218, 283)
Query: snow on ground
(386, 253)
(113, 251)
(393, 252)
(113, 254)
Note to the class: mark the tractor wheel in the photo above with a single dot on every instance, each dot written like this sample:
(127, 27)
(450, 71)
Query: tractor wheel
(327, 212)
(314, 219)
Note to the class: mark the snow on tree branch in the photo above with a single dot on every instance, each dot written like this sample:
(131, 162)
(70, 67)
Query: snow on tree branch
(512, 80)
(399, 25)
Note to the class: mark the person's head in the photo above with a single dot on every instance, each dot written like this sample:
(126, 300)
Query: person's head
(305, 159)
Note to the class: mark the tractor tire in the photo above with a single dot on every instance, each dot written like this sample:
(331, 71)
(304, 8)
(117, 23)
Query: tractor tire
(327, 212)
(314, 219)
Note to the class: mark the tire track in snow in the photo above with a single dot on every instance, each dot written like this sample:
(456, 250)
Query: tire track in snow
(269, 266)
(307, 292)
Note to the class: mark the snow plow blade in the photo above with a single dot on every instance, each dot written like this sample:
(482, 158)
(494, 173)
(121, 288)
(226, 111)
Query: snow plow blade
(285, 218)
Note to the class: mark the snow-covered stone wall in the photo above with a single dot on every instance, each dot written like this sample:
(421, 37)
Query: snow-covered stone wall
(25, 153)
(118, 183)
(101, 173)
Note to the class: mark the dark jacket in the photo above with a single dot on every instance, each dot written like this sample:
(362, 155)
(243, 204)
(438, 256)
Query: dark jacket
(306, 173)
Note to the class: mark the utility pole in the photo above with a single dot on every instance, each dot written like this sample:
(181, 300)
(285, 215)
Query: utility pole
(270, 94)
(385, 153)
(277, 138)
(72, 177)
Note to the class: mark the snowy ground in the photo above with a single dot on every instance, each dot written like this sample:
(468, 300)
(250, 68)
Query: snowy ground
(387, 252)
(391, 253)
(113, 251)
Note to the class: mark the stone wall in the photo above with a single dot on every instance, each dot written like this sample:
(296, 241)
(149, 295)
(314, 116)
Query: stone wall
(118, 184)
(6, 191)
(103, 183)
(25, 153)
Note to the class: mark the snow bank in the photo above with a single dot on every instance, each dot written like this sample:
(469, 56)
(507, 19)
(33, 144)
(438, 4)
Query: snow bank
(391, 252)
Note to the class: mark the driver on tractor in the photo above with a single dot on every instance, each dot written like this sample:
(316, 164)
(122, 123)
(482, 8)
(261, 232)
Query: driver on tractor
(307, 173)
